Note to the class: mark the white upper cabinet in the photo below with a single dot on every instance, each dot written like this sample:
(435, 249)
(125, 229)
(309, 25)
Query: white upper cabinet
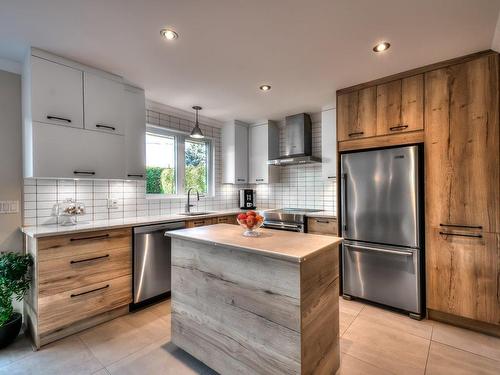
(56, 93)
(329, 144)
(104, 104)
(134, 110)
(65, 152)
(263, 145)
(235, 153)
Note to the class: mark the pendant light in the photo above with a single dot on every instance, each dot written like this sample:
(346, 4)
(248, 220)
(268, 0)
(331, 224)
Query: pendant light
(196, 132)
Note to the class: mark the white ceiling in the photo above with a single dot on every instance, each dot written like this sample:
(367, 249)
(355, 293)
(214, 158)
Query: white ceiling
(306, 49)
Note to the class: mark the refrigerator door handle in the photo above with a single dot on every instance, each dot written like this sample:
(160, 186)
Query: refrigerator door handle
(405, 253)
(344, 200)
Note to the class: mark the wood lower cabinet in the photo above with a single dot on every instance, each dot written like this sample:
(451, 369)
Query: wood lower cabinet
(79, 280)
(356, 114)
(326, 226)
(462, 189)
(463, 275)
(228, 219)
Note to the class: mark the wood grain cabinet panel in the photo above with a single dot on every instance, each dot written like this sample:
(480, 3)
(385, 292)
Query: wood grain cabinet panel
(462, 145)
(356, 114)
(461, 187)
(463, 275)
(400, 105)
(322, 226)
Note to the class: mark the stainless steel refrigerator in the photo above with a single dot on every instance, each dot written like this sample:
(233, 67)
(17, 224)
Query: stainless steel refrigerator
(381, 219)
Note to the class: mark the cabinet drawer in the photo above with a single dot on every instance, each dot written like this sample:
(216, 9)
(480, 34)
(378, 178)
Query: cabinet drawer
(60, 310)
(82, 244)
(227, 219)
(322, 226)
(200, 222)
(76, 271)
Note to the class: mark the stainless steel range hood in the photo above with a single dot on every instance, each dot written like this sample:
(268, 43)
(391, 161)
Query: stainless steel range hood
(298, 142)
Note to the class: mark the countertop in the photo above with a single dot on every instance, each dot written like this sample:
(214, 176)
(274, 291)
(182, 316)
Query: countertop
(291, 246)
(51, 230)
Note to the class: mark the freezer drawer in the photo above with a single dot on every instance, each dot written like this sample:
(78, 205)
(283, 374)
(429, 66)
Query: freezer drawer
(384, 274)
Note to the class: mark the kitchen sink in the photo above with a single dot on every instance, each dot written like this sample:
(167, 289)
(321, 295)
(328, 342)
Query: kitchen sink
(194, 213)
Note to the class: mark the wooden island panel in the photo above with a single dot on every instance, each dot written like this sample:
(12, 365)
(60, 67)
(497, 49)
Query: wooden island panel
(244, 312)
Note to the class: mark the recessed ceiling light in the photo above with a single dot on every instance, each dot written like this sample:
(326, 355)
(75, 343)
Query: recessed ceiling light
(265, 87)
(381, 47)
(169, 34)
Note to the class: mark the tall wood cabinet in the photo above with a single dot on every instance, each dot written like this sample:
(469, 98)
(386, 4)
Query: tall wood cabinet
(462, 189)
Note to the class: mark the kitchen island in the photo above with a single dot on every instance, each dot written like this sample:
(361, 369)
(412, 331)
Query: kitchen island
(265, 305)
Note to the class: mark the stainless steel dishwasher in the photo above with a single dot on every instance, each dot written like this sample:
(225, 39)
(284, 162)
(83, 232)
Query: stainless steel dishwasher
(152, 261)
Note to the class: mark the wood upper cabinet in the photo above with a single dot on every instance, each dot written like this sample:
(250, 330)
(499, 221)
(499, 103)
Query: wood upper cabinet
(400, 105)
(461, 187)
(462, 145)
(356, 114)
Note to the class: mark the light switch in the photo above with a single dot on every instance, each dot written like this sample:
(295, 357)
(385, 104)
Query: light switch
(112, 203)
(9, 207)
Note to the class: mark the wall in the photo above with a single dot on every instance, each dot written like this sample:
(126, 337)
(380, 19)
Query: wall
(10, 158)
(40, 195)
(300, 186)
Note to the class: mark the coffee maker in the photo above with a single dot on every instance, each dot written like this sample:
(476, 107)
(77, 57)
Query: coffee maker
(247, 199)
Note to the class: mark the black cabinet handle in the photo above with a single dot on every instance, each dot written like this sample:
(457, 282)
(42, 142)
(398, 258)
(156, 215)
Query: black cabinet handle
(461, 226)
(89, 259)
(89, 291)
(355, 133)
(240, 179)
(90, 173)
(259, 179)
(330, 177)
(461, 234)
(105, 127)
(58, 118)
(100, 237)
(135, 175)
(399, 127)
(322, 221)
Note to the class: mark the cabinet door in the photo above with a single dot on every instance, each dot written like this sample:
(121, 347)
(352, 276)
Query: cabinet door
(357, 114)
(329, 144)
(258, 154)
(462, 275)
(135, 133)
(65, 152)
(412, 104)
(241, 154)
(462, 145)
(56, 93)
(389, 107)
(104, 104)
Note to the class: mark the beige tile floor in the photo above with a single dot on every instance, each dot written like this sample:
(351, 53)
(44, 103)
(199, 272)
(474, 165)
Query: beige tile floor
(373, 341)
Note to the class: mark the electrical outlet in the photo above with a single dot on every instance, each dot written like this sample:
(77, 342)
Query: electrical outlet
(112, 203)
(9, 207)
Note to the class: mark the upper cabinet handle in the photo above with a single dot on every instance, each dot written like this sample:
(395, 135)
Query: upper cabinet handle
(355, 133)
(461, 226)
(58, 118)
(399, 127)
(105, 127)
(84, 172)
(259, 179)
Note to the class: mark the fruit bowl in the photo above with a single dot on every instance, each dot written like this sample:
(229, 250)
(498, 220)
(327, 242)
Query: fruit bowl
(250, 221)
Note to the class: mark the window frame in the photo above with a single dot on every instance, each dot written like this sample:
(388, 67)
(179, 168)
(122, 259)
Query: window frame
(180, 161)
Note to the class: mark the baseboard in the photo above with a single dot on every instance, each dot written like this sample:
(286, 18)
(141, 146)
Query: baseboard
(474, 325)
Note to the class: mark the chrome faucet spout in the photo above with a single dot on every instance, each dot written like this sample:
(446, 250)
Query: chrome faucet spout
(188, 204)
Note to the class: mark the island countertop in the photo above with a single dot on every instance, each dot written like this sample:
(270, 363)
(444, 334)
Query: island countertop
(291, 246)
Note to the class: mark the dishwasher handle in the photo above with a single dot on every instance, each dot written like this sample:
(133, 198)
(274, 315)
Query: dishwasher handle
(164, 227)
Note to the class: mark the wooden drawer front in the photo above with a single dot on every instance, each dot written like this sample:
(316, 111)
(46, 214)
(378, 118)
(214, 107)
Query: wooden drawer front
(227, 219)
(81, 244)
(199, 223)
(322, 226)
(60, 310)
(72, 272)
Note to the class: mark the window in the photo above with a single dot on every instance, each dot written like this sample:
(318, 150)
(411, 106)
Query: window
(175, 162)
